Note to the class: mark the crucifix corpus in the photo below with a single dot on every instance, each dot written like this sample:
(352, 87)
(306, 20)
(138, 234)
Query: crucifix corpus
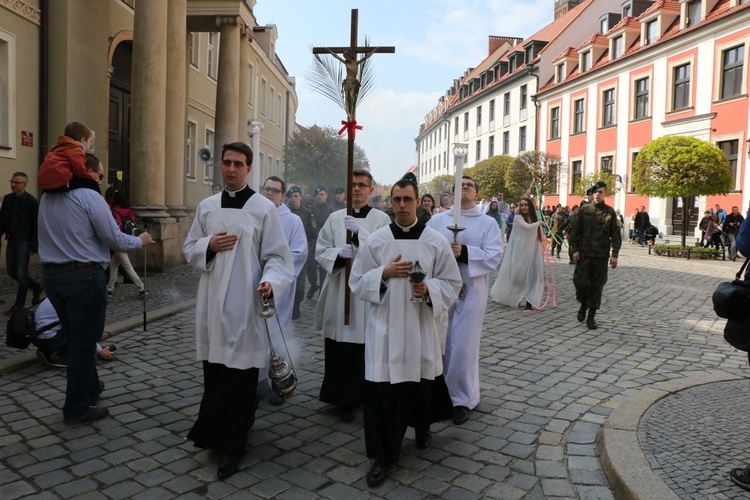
(347, 91)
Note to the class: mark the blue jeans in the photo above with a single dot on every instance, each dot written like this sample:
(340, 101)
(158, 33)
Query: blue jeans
(80, 300)
(17, 262)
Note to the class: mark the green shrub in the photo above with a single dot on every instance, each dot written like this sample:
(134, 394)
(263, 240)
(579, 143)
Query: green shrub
(687, 252)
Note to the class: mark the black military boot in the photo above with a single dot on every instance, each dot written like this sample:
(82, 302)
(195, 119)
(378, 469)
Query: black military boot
(590, 321)
(582, 312)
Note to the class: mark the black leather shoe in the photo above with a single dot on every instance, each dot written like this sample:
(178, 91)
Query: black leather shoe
(590, 321)
(98, 394)
(311, 291)
(92, 414)
(295, 314)
(228, 466)
(347, 413)
(460, 415)
(582, 313)
(377, 473)
(423, 439)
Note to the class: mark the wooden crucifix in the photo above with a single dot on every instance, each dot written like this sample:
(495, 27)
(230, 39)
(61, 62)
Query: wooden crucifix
(353, 57)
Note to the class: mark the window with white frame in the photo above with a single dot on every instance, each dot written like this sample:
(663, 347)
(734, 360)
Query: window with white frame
(491, 147)
(262, 97)
(272, 105)
(553, 175)
(731, 72)
(651, 32)
(466, 122)
(524, 96)
(560, 72)
(693, 12)
(455, 126)
(192, 131)
(554, 123)
(193, 49)
(641, 98)
(681, 87)
(576, 171)
(213, 54)
(7, 93)
(522, 138)
(479, 116)
(506, 104)
(492, 110)
(250, 83)
(618, 46)
(506, 142)
(478, 151)
(586, 61)
(731, 152)
(208, 171)
(578, 115)
(608, 107)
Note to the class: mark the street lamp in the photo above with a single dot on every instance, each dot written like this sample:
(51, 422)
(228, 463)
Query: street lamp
(460, 151)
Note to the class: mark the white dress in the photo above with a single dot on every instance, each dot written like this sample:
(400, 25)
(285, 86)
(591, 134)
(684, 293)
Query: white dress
(229, 329)
(521, 274)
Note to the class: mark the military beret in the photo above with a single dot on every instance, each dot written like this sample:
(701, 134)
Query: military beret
(410, 177)
(339, 191)
(598, 185)
(590, 190)
(320, 189)
(292, 190)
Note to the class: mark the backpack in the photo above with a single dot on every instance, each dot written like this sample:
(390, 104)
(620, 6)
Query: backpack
(127, 224)
(22, 330)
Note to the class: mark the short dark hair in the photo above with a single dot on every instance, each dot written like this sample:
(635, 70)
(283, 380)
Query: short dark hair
(21, 174)
(118, 200)
(77, 131)
(277, 179)
(240, 147)
(363, 173)
(476, 184)
(402, 183)
(92, 162)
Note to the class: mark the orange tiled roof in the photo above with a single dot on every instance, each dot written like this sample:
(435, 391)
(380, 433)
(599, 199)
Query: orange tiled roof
(568, 52)
(627, 22)
(662, 5)
(595, 39)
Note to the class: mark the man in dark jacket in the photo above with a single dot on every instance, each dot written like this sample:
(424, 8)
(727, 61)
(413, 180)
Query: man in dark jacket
(594, 232)
(294, 194)
(321, 210)
(642, 222)
(18, 217)
(731, 225)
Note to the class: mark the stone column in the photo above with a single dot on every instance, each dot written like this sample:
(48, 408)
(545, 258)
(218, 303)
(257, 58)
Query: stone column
(244, 110)
(227, 86)
(176, 100)
(148, 109)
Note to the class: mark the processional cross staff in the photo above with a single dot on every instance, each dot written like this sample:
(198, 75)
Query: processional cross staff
(347, 93)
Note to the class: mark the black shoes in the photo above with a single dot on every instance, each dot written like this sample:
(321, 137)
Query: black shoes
(741, 477)
(582, 312)
(275, 400)
(377, 473)
(311, 291)
(37, 298)
(98, 394)
(590, 321)
(347, 413)
(460, 415)
(423, 438)
(92, 414)
(229, 465)
(295, 314)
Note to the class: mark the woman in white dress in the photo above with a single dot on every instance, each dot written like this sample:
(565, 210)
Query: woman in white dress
(521, 274)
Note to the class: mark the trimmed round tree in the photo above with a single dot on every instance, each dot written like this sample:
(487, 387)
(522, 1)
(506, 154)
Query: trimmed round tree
(681, 166)
(490, 175)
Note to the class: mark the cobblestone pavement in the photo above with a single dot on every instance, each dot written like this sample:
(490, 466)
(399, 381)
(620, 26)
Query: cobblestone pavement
(548, 386)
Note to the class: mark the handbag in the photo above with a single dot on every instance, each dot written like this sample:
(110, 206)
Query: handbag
(731, 301)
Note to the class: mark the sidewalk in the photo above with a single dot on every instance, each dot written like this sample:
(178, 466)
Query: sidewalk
(651, 405)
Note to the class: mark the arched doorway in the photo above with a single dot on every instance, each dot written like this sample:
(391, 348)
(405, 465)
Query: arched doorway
(119, 118)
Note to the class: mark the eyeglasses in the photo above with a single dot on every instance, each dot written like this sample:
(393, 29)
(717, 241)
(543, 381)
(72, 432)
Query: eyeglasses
(359, 185)
(101, 175)
(18, 182)
(229, 163)
(269, 189)
(405, 199)
(468, 185)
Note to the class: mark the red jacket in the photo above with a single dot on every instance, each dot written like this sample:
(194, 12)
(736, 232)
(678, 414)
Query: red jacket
(66, 160)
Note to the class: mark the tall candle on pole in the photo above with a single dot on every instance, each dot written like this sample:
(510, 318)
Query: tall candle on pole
(459, 154)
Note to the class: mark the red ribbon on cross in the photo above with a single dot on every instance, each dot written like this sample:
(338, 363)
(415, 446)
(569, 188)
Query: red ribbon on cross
(350, 127)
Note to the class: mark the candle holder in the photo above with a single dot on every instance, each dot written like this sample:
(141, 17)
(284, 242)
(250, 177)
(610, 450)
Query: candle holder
(455, 229)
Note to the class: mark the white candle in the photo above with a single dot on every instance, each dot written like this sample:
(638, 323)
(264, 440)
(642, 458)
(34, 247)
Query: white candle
(457, 190)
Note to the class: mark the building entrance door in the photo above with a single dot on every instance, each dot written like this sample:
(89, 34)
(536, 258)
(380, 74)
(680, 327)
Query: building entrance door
(119, 119)
(677, 215)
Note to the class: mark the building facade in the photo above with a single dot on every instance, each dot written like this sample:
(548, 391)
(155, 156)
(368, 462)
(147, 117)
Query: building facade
(156, 81)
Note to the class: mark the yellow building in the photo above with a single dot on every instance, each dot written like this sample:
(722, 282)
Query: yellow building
(157, 80)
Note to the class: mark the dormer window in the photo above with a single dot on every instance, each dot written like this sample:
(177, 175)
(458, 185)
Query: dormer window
(617, 47)
(652, 33)
(512, 62)
(586, 61)
(560, 73)
(528, 54)
(693, 13)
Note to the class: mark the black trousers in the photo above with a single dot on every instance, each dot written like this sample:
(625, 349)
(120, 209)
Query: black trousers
(227, 410)
(344, 378)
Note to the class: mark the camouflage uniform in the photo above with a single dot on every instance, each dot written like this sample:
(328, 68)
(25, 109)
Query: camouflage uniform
(321, 211)
(311, 231)
(594, 232)
(557, 219)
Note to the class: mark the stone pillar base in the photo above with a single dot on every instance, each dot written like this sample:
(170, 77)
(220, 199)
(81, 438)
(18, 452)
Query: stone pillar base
(177, 212)
(170, 234)
(150, 211)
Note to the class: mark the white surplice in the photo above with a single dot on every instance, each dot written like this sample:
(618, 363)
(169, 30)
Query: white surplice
(521, 274)
(404, 339)
(484, 246)
(294, 232)
(229, 329)
(329, 315)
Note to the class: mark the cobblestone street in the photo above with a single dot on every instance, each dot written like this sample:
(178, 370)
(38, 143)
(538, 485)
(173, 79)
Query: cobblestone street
(549, 386)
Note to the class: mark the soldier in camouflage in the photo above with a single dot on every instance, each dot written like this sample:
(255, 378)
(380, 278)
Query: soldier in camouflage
(294, 196)
(594, 232)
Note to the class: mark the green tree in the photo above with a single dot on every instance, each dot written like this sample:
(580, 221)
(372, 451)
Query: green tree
(317, 156)
(533, 170)
(490, 175)
(592, 179)
(439, 185)
(681, 166)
